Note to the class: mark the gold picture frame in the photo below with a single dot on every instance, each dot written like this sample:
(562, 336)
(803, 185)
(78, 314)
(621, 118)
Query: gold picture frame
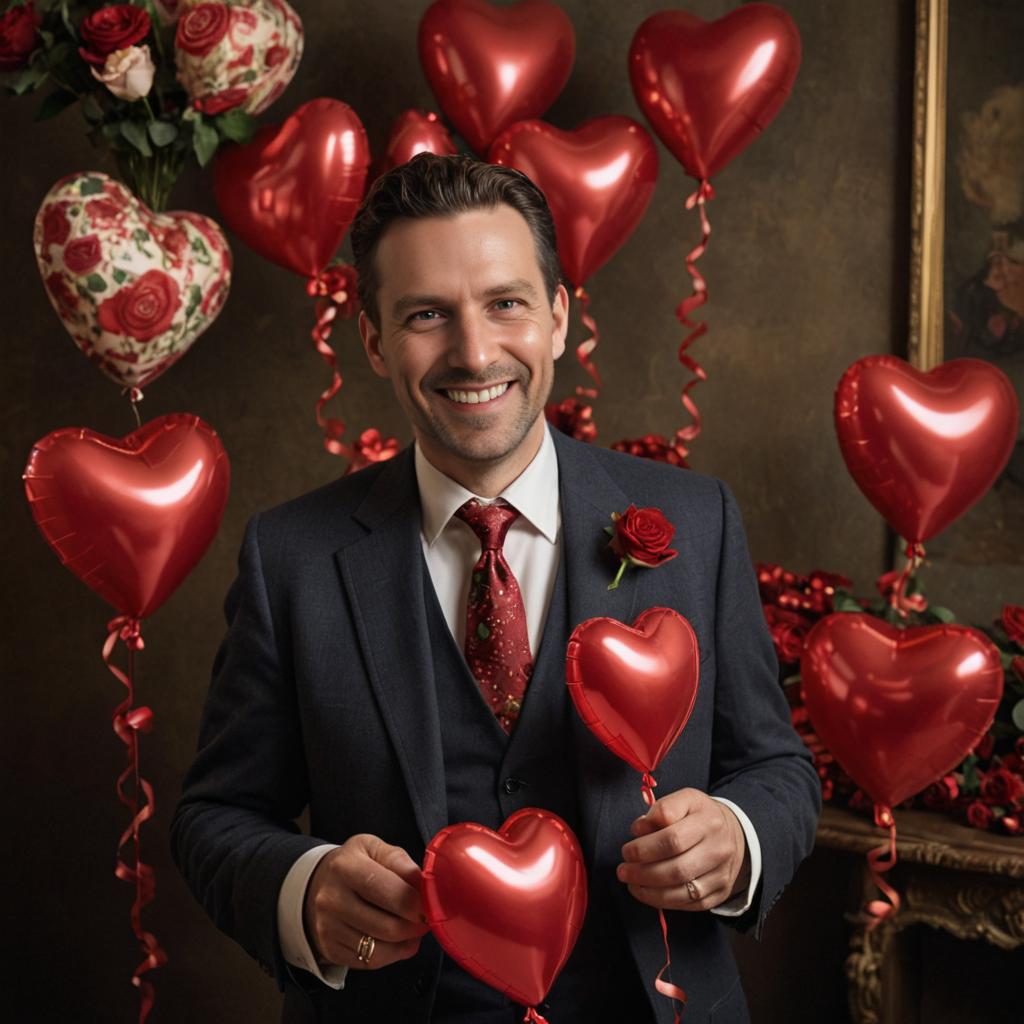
(927, 234)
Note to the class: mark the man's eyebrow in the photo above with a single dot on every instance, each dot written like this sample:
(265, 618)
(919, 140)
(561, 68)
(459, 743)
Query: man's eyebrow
(407, 302)
(520, 284)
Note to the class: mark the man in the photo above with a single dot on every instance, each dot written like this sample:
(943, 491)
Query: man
(371, 672)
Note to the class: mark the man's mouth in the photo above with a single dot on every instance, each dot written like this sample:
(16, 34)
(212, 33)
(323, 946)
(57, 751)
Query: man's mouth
(476, 396)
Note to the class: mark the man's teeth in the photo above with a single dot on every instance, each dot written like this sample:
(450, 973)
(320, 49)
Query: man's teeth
(473, 397)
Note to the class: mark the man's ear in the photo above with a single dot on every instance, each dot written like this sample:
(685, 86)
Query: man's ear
(560, 316)
(372, 345)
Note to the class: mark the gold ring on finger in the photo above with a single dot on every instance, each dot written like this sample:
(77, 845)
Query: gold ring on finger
(691, 888)
(364, 951)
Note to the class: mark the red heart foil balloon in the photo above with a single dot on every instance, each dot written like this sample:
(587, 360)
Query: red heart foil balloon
(507, 906)
(413, 132)
(291, 193)
(635, 686)
(898, 708)
(598, 181)
(131, 517)
(491, 66)
(924, 447)
(709, 88)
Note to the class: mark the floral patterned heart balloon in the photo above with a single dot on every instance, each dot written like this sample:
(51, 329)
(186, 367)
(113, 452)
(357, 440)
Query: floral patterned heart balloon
(134, 288)
(239, 54)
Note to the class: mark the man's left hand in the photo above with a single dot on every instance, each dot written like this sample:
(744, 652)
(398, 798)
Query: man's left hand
(686, 837)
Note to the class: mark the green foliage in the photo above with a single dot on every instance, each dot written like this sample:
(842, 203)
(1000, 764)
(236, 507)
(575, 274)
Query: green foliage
(236, 125)
(162, 133)
(204, 141)
(135, 133)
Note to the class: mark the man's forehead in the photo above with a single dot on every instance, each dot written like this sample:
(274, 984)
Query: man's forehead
(485, 250)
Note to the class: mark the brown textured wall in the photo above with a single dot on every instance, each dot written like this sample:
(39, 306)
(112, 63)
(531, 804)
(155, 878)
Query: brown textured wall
(807, 272)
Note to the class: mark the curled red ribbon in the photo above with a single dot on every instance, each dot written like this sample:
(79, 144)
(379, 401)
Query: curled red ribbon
(898, 597)
(533, 1017)
(881, 860)
(586, 347)
(666, 988)
(128, 722)
(332, 427)
(690, 304)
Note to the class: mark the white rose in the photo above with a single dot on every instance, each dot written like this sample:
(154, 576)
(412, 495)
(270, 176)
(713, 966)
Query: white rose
(128, 73)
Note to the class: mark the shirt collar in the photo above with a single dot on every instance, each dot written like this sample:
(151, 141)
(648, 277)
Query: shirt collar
(534, 493)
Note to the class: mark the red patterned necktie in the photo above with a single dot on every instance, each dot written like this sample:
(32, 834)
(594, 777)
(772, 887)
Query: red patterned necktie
(497, 640)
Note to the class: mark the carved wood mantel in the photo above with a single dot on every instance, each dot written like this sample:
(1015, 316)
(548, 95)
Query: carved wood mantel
(967, 882)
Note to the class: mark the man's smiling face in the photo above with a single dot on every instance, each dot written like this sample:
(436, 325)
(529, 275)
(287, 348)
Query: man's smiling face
(467, 334)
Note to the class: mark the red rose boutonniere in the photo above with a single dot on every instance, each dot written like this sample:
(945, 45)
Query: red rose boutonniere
(640, 536)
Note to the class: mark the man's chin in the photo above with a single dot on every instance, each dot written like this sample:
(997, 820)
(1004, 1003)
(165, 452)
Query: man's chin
(480, 447)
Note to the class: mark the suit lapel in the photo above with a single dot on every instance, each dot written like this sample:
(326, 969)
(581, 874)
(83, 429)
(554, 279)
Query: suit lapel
(609, 789)
(383, 576)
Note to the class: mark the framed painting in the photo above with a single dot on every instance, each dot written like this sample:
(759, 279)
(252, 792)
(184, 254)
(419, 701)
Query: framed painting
(967, 248)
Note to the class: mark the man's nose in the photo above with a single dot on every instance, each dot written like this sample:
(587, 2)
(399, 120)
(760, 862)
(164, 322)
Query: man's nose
(474, 344)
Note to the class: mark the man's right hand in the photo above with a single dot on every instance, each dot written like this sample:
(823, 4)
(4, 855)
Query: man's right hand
(365, 887)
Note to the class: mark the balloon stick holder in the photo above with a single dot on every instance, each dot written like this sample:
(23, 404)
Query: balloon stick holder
(128, 722)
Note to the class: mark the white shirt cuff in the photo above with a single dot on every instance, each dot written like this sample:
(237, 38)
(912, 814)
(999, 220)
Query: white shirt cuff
(740, 903)
(291, 900)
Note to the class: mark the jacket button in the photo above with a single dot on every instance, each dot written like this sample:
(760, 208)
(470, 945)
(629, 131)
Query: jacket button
(511, 785)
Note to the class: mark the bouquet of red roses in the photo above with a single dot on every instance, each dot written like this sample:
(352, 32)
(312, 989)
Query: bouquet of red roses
(158, 81)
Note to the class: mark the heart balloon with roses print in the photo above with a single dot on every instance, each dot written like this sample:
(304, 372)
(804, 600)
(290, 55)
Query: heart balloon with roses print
(133, 288)
(238, 54)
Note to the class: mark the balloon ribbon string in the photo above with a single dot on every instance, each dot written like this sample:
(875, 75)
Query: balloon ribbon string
(326, 313)
(585, 348)
(898, 598)
(666, 988)
(533, 1017)
(689, 305)
(128, 722)
(881, 860)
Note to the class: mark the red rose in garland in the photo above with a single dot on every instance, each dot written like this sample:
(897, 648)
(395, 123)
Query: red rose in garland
(18, 36)
(144, 309)
(1003, 788)
(133, 288)
(1013, 622)
(641, 537)
(112, 28)
(979, 815)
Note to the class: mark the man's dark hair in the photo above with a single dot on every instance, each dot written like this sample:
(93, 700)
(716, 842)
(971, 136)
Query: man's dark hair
(441, 186)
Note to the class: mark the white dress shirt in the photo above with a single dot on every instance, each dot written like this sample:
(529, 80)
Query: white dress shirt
(450, 547)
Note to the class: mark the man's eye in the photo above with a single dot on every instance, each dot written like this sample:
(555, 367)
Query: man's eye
(507, 304)
(424, 315)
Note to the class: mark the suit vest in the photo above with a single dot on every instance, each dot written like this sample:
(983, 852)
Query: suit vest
(488, 776)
